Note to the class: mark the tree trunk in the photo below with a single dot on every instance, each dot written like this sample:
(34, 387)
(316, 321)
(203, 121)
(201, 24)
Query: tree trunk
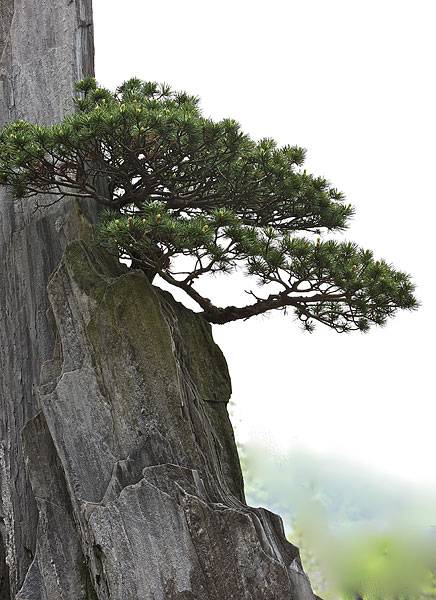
(119, 472)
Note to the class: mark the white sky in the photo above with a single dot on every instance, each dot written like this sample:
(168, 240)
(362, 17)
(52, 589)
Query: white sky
(353, 82)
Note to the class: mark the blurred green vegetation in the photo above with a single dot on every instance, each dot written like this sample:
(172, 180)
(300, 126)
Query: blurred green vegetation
(361, 536)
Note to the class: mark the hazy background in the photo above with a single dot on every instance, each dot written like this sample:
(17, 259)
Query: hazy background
(354, 83)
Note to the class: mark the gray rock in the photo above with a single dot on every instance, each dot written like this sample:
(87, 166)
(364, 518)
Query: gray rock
(44, 48)
(140, 426)
(119, 476)
(59, 569)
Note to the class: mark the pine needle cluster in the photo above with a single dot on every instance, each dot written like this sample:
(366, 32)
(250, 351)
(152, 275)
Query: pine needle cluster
(173, 183)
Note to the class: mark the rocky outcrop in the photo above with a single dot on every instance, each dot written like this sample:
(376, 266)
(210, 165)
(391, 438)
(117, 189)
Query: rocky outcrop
(135, 404)
(119, 476)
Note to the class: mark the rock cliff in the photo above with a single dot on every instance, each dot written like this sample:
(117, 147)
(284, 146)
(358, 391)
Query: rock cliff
(135, 403)
(119, 475)
(44, 48)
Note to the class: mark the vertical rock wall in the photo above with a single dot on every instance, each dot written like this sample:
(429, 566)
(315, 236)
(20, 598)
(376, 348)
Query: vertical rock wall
(45, 46)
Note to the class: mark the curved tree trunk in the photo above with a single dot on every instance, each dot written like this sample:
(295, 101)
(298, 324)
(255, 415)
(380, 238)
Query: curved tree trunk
(119, 474)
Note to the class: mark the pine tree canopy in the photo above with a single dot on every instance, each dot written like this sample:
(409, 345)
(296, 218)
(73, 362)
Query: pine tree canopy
(178, 188)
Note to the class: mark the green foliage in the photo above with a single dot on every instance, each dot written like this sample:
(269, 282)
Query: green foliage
(177, 184)
(374, 567)
(359, 536)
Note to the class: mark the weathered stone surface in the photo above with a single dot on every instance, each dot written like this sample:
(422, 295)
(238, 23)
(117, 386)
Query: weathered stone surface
(59, 568)
(119, 475)
(138, 419)
(45, 46)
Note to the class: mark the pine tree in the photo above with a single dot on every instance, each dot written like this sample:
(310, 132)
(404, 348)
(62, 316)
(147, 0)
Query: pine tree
(173, 183)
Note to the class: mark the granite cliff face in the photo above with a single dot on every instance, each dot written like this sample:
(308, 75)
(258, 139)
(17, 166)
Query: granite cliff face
(135, 403)
(119, 475)
(45, 46)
